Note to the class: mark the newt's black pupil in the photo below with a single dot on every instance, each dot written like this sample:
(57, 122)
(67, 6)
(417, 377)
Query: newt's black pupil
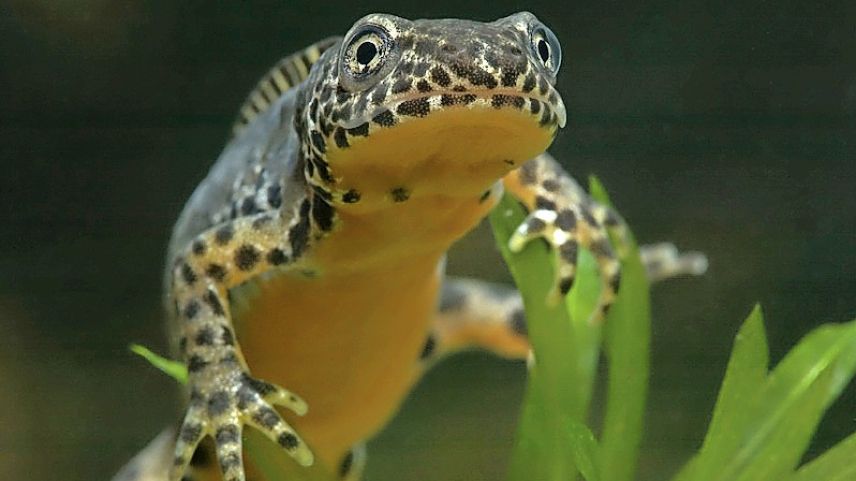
(543, 50)
(366, 52)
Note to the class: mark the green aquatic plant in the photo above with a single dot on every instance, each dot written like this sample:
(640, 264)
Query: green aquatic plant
(763, 420)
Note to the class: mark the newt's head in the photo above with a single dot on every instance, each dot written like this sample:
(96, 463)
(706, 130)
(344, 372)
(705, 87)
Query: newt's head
(448, 105)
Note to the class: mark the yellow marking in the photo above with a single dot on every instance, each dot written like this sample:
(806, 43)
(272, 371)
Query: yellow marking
(248, 113)
(280, 80)
(292, 72)
(259, 101)
(312, 54)
(269, 91)
(298, 64)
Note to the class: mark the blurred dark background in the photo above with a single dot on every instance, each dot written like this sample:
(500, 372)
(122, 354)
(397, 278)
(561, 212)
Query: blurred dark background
(728, 127)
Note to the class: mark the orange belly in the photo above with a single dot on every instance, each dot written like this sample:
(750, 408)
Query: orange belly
(348, 344)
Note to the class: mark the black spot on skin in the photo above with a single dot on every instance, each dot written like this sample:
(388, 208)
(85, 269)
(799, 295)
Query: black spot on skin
(322, 212)
(310, 169)
(318, 141)
(423, 86)
(379, 93)
(439, 76)
(229, 359)
(611, 219)
(351, 197)
(546, 117)
(528, 83)
(459, 88)
(267, 417)
(246, 397)
(214, 302)
(401, 85)
(518, 102)
(199, 247)
(528, 174)
(615, 282)
(182, 345)
(346, 464)
(274, 196)
(509, 78)
(224, 235)
(544, 203)
(534, 106)
(341, 138)
(566, 220)
(565, 285)
(535, 225)
(344, 113)
(248, 206)
(190, 433)
(414, 108)
(421, 69)
(601, 248)
(218, 403)
(468, 99)
(227, 435)
(230, 461)
(313, 109)
(399, 194)
(484, 196)
(191, 310)
(542, 86)
(261, 387)
(361, 130)
(216, 272)
(384, 119)
(429, 348)
(205, 337)
(276, 257)
(196, 364)
(288, 441)
(550, 185)
(226, 336)
(590, 220)
(568, 251)
(187, 274)
(517, 322)
(246, 257)
(499, 100)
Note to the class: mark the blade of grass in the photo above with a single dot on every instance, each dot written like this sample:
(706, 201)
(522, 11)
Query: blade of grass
(627, 344)
(744, 376)
(173, 369)
(784, 413)
(837, 464)
(543, 446)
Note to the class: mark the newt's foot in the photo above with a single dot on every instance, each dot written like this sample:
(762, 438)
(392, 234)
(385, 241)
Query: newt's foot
(234, 400)
(568, 222)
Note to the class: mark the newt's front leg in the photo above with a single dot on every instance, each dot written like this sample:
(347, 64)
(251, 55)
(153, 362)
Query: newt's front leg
(224, 397)
(563, 214)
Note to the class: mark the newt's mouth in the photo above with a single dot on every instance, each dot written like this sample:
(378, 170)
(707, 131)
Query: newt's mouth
(547, 109)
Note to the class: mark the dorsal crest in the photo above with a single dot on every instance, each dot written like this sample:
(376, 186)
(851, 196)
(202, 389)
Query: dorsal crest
(284, 75)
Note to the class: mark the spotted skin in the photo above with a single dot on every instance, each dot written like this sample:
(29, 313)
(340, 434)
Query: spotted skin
(355, 165)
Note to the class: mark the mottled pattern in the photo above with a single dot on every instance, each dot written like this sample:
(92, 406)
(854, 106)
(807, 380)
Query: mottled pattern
(430, 65)
(274, 196)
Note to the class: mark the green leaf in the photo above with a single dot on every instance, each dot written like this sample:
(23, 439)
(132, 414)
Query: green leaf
(745, 374)
(784, 411)
(837, 464)
(627, 345)
(585, 450)
(173, 369)
(543, 446)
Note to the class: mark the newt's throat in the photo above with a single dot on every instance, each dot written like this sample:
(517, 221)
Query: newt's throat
(458, 152)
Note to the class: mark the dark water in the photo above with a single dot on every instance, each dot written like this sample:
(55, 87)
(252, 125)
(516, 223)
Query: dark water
(728, 129)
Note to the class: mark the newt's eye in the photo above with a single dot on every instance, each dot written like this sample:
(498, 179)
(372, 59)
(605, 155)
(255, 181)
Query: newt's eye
(546, 47)
(366, 52)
